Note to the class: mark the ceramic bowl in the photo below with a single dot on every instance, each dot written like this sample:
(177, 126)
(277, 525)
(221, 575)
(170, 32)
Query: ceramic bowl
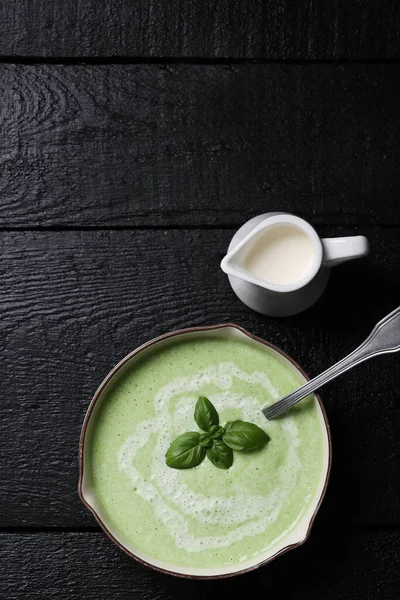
(292, 540)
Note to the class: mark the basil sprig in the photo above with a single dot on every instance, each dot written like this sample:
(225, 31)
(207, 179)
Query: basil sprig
(217, 443)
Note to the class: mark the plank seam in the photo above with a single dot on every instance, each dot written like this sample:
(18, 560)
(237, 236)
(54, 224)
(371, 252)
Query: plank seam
(176, 227)
(156, 60)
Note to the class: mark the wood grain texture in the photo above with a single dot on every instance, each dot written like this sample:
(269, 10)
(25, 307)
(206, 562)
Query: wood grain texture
(74, 303)
(176, 28)
(162, 145)
(72, 566)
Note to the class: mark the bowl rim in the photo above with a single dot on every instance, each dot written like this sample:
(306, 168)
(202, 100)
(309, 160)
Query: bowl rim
(97, 395)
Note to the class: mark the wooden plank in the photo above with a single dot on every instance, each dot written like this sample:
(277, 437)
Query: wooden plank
(249, 29)
(74, 303)
(157, 145)
(337, 566)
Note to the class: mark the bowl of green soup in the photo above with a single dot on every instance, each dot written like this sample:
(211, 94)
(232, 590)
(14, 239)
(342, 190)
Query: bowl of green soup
(214, 519)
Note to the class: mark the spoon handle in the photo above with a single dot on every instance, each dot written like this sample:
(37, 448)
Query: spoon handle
(384, 338)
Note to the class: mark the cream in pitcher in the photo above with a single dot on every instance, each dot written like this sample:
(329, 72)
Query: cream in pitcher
(278, 265)
(281, 254)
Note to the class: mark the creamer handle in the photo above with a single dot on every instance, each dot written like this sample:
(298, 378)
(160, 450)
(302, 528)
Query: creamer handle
(341, 249)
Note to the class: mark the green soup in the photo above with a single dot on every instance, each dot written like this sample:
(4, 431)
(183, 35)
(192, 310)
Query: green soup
(203, 517)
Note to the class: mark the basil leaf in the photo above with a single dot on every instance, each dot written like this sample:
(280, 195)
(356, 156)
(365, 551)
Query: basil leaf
(185, 452)
(241, 435)
(205, 414)
(206, 440)
(220, 455)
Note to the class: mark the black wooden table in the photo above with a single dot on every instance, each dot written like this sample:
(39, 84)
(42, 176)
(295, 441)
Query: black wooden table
(136, 136)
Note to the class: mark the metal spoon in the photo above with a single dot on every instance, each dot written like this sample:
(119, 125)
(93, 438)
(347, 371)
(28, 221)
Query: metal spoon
(384, 338)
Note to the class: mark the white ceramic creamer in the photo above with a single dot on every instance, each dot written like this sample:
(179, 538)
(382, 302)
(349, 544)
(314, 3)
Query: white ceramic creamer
(278, 266)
